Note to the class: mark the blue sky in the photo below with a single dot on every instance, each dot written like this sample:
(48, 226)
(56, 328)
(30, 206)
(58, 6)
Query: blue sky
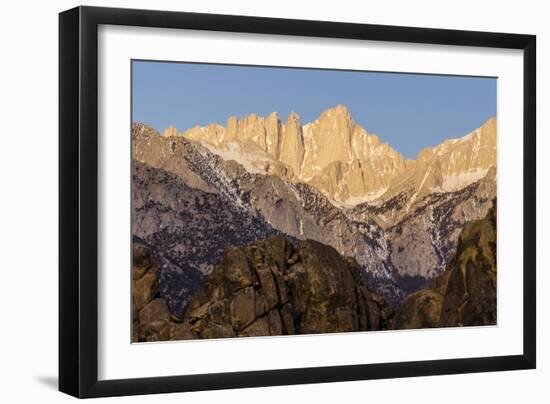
(407, 111)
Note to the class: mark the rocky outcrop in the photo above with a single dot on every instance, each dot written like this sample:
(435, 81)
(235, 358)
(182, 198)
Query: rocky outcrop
(422, 309)
(470, 297)
(465, 294)
(151, 318)
(144, 277)
(274, 288)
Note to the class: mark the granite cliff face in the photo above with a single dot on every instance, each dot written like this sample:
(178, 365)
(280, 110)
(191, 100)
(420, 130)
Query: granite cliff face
(270, 288)
(347, 164)
(344, 161)
(333, 153)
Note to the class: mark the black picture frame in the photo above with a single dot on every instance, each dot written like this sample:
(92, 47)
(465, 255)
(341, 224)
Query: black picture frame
(78, 201)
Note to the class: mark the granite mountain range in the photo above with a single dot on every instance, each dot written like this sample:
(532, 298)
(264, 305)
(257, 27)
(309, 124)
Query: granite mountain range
(203, 190)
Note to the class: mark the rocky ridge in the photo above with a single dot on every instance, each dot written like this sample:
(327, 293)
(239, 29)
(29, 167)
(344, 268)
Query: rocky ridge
(347, 164)
(269, 287)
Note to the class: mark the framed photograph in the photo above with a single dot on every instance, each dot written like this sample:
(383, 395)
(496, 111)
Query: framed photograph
(251, 201)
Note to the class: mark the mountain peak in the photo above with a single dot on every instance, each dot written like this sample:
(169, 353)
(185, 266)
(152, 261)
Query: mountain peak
(338, 114)
(293, 117)
(171, 131)
(273, 116)
(339, 109)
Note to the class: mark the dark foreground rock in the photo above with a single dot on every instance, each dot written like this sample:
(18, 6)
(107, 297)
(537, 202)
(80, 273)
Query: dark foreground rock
(151, 318)
(274, 288)
(465, 294)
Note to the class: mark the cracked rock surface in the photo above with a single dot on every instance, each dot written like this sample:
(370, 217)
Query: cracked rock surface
(273, 287)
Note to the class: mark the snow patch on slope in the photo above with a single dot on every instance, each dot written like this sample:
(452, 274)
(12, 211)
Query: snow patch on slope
(353, 201)
(369, 197)
(253, 159)
(462, 180)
